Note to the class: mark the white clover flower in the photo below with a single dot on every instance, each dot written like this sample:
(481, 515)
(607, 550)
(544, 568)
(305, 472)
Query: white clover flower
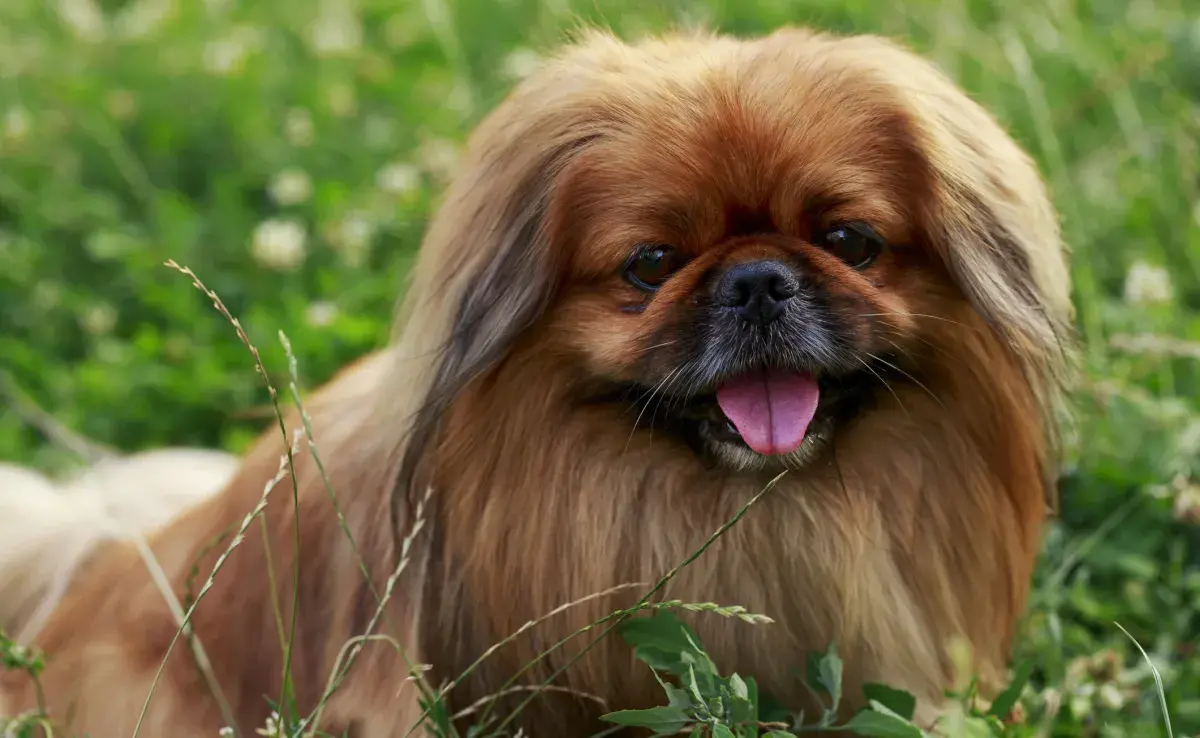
(1147, 284)
(298, 127)
(99, 319)
(439, 157)
(225, 56)
(521, 63)
(279, 244)
(272, 729)
(143, 18)
(321, 314)
(1111, 697)
(16, 124)
(84, 18)
(337, 30)
(351, 238)
(398, 178)
(291, 187)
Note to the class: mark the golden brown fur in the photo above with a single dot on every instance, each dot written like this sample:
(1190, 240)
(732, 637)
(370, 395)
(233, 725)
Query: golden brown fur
(914, 523)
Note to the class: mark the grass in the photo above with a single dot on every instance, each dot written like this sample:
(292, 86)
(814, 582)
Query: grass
(291, 157)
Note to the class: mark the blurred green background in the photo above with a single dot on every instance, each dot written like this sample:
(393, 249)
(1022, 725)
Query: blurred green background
(289, 152)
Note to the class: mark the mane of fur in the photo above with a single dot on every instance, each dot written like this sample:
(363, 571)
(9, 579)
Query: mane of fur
(926, 525)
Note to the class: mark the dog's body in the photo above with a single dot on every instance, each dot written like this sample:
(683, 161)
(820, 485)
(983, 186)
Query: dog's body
(910, 511)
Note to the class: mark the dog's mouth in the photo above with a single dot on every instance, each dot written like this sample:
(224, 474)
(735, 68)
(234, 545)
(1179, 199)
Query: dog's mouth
(756, 415)
(768, 410)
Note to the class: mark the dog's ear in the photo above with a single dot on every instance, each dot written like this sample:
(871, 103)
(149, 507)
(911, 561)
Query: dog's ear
(987, 213)
(485, 271)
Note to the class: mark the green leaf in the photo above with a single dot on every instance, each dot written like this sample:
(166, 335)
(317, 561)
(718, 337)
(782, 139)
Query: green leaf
(830, 675)
(1004, 703)
(662, 720)
(742, 708)
(666, 643)
(678, 697)
(977, 727)
(897, 700)
(720, 731)
(779, 734)
(882, 725)
(738, 688)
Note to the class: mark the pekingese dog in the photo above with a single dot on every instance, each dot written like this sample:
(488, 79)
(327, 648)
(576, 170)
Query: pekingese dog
(668, 273)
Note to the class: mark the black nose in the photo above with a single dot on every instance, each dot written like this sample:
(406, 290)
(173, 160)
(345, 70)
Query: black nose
(757, 290)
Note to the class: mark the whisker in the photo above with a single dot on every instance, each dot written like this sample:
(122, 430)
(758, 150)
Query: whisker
(664, 344)
(914, 379)
(885, 384)
(646, 404)
(895, 314)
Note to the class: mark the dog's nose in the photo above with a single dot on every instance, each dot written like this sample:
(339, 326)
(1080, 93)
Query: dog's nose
(757, 290)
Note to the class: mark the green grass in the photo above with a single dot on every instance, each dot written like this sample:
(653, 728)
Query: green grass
(174, 129)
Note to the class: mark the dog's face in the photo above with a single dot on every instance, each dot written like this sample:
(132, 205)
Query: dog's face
(749, 272)
(749, 241)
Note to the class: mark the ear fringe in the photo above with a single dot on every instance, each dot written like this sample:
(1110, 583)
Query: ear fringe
(993, 223)
(485, 273)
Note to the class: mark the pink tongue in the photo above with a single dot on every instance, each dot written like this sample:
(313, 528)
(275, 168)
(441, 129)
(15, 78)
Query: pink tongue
(770, 409)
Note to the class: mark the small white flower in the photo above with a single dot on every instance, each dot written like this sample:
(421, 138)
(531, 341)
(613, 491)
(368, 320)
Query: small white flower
(321, 314)
(84, 18)
(298, 127)
(1147, 284)
(521, 63)
(225, 732)
(291, 187)
(99, 319)
(224, 56)
(228, 55)
(141, 19)
(16, 123)
(1111, 697)
(337, 30)
(279, 244)
(351, 237)
(398, 178)
(271, 729)
(439, 157)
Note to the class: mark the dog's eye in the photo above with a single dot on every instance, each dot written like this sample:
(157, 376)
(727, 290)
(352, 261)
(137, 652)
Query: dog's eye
(855, 243)
(650, 266)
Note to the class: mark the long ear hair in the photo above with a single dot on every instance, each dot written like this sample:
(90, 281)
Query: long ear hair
(485, 272)
(990, 220)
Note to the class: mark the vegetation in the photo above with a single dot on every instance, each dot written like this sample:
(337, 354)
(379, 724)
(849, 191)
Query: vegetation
(289, 152)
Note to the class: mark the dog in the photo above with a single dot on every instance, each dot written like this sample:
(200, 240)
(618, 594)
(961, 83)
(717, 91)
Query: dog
(669, 272)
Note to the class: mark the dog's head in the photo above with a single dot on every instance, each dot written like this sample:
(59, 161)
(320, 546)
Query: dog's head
(756, 235)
